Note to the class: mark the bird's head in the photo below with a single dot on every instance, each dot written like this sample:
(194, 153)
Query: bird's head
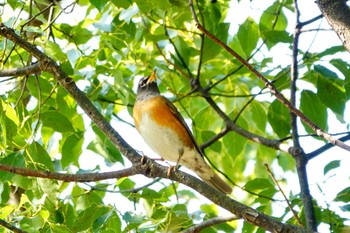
(147, 86)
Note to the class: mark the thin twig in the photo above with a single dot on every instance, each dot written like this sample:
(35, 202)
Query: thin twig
(215, 138)
(87, 177)
(295, 214)
(208, 223)
(133, 190)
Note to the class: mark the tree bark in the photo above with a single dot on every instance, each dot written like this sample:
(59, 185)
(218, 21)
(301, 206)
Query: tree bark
(337, 14)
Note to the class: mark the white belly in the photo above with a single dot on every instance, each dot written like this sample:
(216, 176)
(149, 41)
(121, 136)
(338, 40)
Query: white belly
(161, 139)
(168, 146)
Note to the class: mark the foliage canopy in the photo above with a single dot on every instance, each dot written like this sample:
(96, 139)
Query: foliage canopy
(246, 132)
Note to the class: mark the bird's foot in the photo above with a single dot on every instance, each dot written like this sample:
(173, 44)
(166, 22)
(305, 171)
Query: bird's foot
(172, 168)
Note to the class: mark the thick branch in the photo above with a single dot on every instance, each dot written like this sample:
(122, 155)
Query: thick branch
(27, 70)
(337, 14)
(269, 85)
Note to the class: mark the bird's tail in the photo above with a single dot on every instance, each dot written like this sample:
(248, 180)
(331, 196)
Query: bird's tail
(217, 183)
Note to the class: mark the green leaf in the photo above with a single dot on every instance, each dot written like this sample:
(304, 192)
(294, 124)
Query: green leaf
(233, 143)
(206, 135)
(122, 3)
(9, 122)
(56, 121)
(258, 184)
(81, 35)
(345, 208)
(331, 51)
(38, 154)
(85, 219)
(259, 111)
(32, 224)
(71, 149)
(273, 18)
(279, 118)
(67, 68)
(248, 35)
(314, 109)
(109, 220)
(330, 166)
(15, 4)
(344, 68)
(343, 196)
(330, 90)
(54, 51)
(274, 37)
(99, 4)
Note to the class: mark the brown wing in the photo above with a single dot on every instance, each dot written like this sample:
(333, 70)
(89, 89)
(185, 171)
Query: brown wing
(181, 119)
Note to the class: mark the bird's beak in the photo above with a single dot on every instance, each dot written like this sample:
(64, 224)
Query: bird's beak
(152, 77)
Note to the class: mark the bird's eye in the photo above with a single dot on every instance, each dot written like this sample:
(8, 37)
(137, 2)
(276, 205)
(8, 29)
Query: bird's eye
(143, 82)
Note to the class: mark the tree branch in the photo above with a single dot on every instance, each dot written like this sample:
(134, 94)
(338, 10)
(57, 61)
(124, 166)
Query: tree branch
(10, 227)
(87, 177)
(322, 149)
(269, 85)
(209, 223)
(275, 144)
(301, 161)
(27, 70)
(153, 170)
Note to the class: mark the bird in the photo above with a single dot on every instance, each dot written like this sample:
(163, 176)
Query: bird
(164, 130)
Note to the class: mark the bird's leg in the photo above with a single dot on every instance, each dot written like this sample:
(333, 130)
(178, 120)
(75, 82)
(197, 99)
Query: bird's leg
(175, 168)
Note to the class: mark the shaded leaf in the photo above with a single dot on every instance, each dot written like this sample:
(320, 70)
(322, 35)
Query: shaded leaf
(330, 166)
(56, 121)
(279, 118)
(38, 154)
(312, 107)
(99, 4)
(72, 148)
(343, 196)
(330, 90)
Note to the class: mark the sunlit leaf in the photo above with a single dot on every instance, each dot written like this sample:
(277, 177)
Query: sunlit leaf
(248, 35)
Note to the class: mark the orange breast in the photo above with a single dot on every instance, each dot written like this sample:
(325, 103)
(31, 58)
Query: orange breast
(160, 112)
